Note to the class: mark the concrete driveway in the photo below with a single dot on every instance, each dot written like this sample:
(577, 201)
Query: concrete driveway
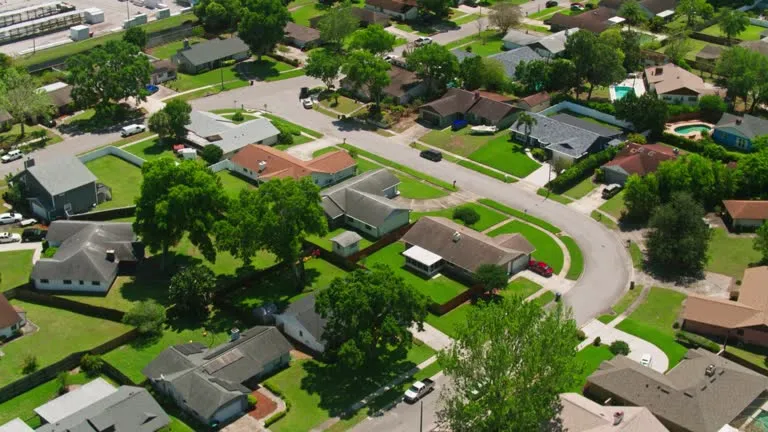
(638, 347)
(590, 202)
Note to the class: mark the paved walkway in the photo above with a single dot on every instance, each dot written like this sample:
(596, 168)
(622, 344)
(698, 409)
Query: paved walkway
(245, 423)
(433, 337)
(590, 202)
(305, 151)
(638, 347)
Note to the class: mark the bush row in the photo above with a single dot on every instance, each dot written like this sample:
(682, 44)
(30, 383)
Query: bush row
(604, 107)
(583, 169)
(704, 146)
(694, 340)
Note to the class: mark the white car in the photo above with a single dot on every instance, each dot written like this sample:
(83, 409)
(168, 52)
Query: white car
(307, 103)
(9, 218)
(645, 360)
(6, 237)
(27, 222)
(422, 41)
(11, 156)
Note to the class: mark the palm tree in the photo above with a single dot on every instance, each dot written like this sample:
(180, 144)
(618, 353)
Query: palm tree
(632, 12)
(528, 123)
(732, 22)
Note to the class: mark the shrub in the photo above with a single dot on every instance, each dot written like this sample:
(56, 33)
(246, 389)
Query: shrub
(29, 364)
(677, 109)
(539, 154)
(597, 341)
(50, 251)
(238, 116)
(637, 138)
(285, 138)
(252, 401)
(468, 215)
(676, 325)
(211, 154)
(696, 341)
(147, 316)
(581, 335)
(599, 175)
(704, 146)
(605, 107)
(619, 347)
(63, 380)
(91, 364)
(272, 420)
(582, 169)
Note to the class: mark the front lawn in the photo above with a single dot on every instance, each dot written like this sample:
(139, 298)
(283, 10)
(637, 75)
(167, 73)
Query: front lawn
(345, 105)
(615, 205)
(751, 33)
(13, 136)
(590, 358)
(485, 43)
(521, 287)
(323, 151)
(410, 187)
(15, 268)
(637, 255)
(279, 120)
(459, 142)
(244, 71)
(577, 259)
(449, 322)
(150, 149)
(439, 289)
(623, 304)
(581, 190)
(505, 155)
(325, 241)
(730, 255)
(233, 183)
(124, 178)
(547, 249)
(753, 354)
(488, 217)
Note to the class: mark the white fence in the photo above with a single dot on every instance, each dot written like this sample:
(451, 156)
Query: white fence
(589, 112)
(114, 151)
(759, 22)
(221, 166)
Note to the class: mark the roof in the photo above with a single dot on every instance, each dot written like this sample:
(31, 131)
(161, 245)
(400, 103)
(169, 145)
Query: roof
(161, 66)
(400, 81)
(745, 209)
(510, 59)
(5, 116)
(518, 37)
(303, 310)
(128, 409)
(401, 6)
(658, 6)
(346, 238)
(555, 43)
(748, 126)
(16, 425)
(492, 110)
(686, 396)
(751, 308)
(760, 46)
(600, 129)
(367, 16)
(421, 255)
(562, 137)
(362, 197)
(8, 315)
(459, 245)
(270, 162)
(710, 52)
(206, 128)
(596, 20)
(669, 78)
(212, 50)
(641, 159)
(462, 54)
(300, 32)
(454, 101)
(60, 93)
(74, 401)
(534, 99)
(62, 175)
(580, 414)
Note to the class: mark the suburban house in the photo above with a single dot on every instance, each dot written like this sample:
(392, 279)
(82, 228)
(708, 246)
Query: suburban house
(365, 203)
(207, 128)
(744, 320)
(595, 20)
(12, 319)
(460, 104)
(162, 71)
(213, 384)
(209, 54)
(437, 244)
(403, 87)
(709, 54)
(301, 36)
(579, 414)
(552, 45)
(636, 159)
(462, 54)
(535, 102)
(510, 59)
(676, 85)
(652, 8)
(89, 256)
(703, 393)
(59, 188)
(301, 323)
(61, 97)
(347, 243)
(760, 46)
(262, 163)
(403, 10)
(745, 213)
(738, 132)
(518, 38)
(365, 16)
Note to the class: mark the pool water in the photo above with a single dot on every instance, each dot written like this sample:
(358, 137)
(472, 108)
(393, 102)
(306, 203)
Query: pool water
(692, 128)
(761, 421)
(622, 91)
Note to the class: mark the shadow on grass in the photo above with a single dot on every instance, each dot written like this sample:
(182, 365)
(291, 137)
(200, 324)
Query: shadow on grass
(120, 115)
(276, 285)
(256, 69)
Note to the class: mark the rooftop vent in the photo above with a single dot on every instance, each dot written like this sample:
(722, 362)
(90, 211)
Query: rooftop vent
(689, 394)
(29, 163)
(111, 255)
(456, 236)
(234, 334)
(618, 416)
(710, 371)
(262, 166)
(186, 44)
(738, 121)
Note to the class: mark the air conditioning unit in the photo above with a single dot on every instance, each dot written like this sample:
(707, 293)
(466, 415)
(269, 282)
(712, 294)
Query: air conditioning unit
(456, 236)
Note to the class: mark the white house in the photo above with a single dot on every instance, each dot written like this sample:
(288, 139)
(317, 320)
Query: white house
(207, 128)
(403, 10)
(12, 319)
(346, 243)
(303, 324)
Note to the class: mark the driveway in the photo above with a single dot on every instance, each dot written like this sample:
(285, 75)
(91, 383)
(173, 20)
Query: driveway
(590, 202)
(554, 283)
(638, 347)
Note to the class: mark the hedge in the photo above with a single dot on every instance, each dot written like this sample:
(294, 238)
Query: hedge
(272, 420)
(704, 146)
(583, 169)
(694, 340)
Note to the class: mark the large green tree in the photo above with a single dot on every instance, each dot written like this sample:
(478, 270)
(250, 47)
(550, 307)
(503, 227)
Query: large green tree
(191, 291)
(596, 62)
(366, 71)
(337, 24)
(178, 111)
(219, 15)
(147, 316)
(374, 39)
(136, 36)
(435, 64)
(693, 10)
(476, 72)
(504, 16)
(369, 313)
(324, 65)
(645, 112)
(492, 277)
(760, 243)
(744, 73)
(435, 8)
(20, 98)
(641, 197)
(535, 75)
(508, 365)
(262, 25)
(732, 22)
(633, 13)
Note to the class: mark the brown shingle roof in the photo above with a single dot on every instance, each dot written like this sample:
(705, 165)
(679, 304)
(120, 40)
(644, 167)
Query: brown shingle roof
(534, 99)
(8, 314)
(331, 162)
(670, 77)
(491, 109)
(161, 66)
(751, 308)
(280, 164)
(641, 159)
(301, 33)
(595, 21)
(744, 209)
(400, 81)
(401, 6)
(61, 97)
(462, 101)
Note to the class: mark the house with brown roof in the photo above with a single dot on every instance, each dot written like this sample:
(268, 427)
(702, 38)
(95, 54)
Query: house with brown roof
(579, 414)
(403, 87)
(437, 244)
(636, 159)
(596, 20)
(12, 319)
(403, 10)
(301, 36)
(745, 213)
(535, 102)
(262, 163)
(675, 85)
(703, 393)
(709, 54)
(661, 8)
(61, 96)
(162, 71)
(460, 104)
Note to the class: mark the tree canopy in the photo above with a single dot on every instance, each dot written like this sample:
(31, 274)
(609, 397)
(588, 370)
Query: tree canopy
(435, 64)
(219, 15)
(760, 243)
(337, 24)
(632, 12)
(744, 73)
(20, 98)
(732, 22)
(191, 291)
(596, 62)
(367, 71)
(147, 316)
(435, 8)
(693, 10)
(492, 277)
(323, 65)
(136, 36)
(374, 39)
(262, 25)
(171, 121)
(504, 16)
(645, 112)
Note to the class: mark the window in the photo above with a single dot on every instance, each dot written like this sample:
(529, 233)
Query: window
(740, 332)
(95, 283)
(368, 227)
(43, 280)
(67, 282)
(301, 333)
(692, 98)
(82, 283)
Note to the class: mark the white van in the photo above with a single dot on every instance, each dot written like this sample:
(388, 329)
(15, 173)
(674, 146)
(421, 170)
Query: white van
(12, 156)
(132, 130)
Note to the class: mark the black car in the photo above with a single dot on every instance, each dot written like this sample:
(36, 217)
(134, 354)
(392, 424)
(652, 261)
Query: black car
(432, 155)
(33, 234)
(551, 3)
(304, 93)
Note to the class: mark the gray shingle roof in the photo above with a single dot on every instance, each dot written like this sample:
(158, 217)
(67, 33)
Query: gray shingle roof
(304, 312)
(750, 126)
(561, 137)
(345, 239)
(597, 128)
(555, 43)
(521, 38)
(212, 50)
(510, 59)
(63, 175)
(362, 197)
(222, 132)
(462, 54)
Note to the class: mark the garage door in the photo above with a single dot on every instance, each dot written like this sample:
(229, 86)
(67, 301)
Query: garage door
(229, 411)
(39, 211)
(520, 263)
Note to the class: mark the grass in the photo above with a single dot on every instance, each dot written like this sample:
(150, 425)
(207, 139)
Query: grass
(730, 255)
(13, 136)
(544, 299)
(168, 50)
(15, 268)
(302, 15)
(653, 322)
(448, 323)
(325, 241)
(122, 177)
(695, 45)
(233, 183)
(244, 71)
(636, 254)
(590, 358)
(276, 119)
(410, 187)
(439, 289)
(547, 249)
(752, 32)
(606, 221)
(577, 259)
(324, 151)
(486, 171)
(150, 149)
(60, 333)
(425, 31)
(622, 305)
(545, 13)
(581, 190)
(468, 18)
(522, 287)
(504, 155)
(225, 264)
(285, 75)
(591, 120)
(520, 215)
(345, 105)
(614, 206)
(553, 196)
(459, 142)
(488, 217)
(753, 354)
(131, 139)
(484, 43)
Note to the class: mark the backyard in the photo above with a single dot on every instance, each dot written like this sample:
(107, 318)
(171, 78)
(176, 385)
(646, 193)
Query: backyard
(488, 217)
(590, 357)
(547, 249)
(325, 241)
(731, 255)
(168, 50)
(751, 33)
(150, 149)
(244, 71)
(233, 183)
(122, 177)
(15, 268)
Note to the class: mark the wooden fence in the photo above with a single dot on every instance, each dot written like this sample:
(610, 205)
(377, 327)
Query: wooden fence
(105, 215)
(66, 304)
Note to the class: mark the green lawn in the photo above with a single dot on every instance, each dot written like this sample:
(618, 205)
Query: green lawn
(751, 33)
(233, 183)
(486, 48)
(590, 119)
(695, 45)
(546, 248)
(225, 264)
(614, 206)
(168, 50)
(324, 151)
(279, 120)
(410, 187)
(439, 289)
(636, 254)
(124, 178)
(541, 29)
(504, 155)
(577, 259)
(325, 241)
(60, 333)
(545, 13)
(150, 149)
(590, 357)
(544, 299)
(15, 268)
(753, 354)
(520, 215)
(448, 323)
(468, 18)
(13, 136)
(364, 165)
(623, 304)
(244, 71)
(730, 255)
(653, 321)
(553, 196)
(522, 287)
(581, 190)
(302, 15)
(488, 217)
(605, 220)
(484, 43)
(345, 105)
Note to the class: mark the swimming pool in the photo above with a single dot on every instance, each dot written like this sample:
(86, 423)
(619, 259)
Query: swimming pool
(683, 130)
(761, 421)
(622, 91)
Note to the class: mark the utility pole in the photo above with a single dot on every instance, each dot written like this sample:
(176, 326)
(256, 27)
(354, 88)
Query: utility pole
(127, 10)
(222, 78)
(421, 416)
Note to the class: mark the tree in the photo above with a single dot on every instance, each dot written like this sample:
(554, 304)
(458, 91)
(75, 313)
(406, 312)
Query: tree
(678, 238)
(630, 46)
(218, 16)
(504, 16)
(760, 243)
(494, 74)
(678, 48)
(91, 364)
(732, 22)
(367, 71)
(20, 98)
(641, 197)
(492, 277)
(535, 75)
(633, 13)
(692, 9)
(712, 107)
(528, 122)
(374, 39)
(595, 62)
(436, 8)
(644, 112)
(466, 214)
(176, 200)
(471, 72)
(337, 24)
(745, 74)
(29, 364)
(191, 291)
(619, 347)
(178, 111)
(508, 365)
(262, 25)
(147, 316)
(323, 65)
(160, 123)
(137, 37)
(369, 313)
(435, 64)
(562, 75)
(211, 154)
(108, 74)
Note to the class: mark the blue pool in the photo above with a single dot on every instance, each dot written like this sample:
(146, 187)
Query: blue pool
(684, 130)
(622, 91)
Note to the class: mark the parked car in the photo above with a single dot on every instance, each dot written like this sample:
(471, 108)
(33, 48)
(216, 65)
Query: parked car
(307, 103)
(12, 156)
(418, 390)
(132, 130)
(424, 40)
(9, 218)
(433, 155)
(152, 89)
(551, 3)
(611, 190)
(27, 222)
(577, 7)
(645, 360)
(304, 93)
(540, 267)
(6, 237)
(33, 234)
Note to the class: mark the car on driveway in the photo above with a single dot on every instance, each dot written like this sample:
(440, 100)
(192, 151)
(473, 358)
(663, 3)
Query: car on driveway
(645, 360)
(9, 218)
(418, 390)
(33, 234)
(6, 237)
(432, 154)
(540, 267)
(12, 156)
(307, 103)
(422, 41)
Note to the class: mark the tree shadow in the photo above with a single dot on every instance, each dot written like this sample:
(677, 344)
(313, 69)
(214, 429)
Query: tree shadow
(122, 114)
(151, 280)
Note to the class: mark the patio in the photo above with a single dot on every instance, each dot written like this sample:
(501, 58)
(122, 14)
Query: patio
(633, 82)
(690, 129)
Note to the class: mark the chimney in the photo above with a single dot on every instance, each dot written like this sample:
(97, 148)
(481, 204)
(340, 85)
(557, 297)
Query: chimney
(738, 121)
(186, 44)
(111, 255)
(477, 95)
(710, 371)
(29, 163)
(659, 71)
(234, 334)
(456, 236)
(262, 165)
(618, 416)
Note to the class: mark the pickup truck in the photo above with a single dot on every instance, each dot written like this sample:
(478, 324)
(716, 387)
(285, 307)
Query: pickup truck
(418, 390)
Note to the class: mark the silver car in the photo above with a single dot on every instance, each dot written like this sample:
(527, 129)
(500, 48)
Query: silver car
(9, 218)
(6, 237)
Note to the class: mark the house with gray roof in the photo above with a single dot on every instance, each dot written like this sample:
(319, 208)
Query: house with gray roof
(210, 54)
(738, 132)
(213, 384)
(59, 188)
(365, 203)
(347, 243)
(518, 38)
(301, 323)
(510, 59)
(462, 54)
(206, 128)
(703, 393)
(89, 256)
(552, 45)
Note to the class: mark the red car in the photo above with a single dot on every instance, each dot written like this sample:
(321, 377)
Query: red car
(540, 267)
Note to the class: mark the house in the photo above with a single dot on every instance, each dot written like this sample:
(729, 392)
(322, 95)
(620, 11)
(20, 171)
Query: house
(535, 102)
(59, 188)
(365, 203)
(301, 323)
(12, 319)
(459, 104)
(403, 10)
(552, 45)
(437, 244)
(462, 54)
(579, 414)
(61, 97)
(676, 85)
(709, 54)
(738, 132)
(760, 46)
(347, 243)
(210, 54)
(636, 159)
(365, 16)
(403, 86)
(89, 256)
(207, 128)
(162, 71)
(745, 214)
(510, 59)
(518, 38)
(213, 384)
(651, 8)
(703, 393)
(74, 401)
(16, 425)
(301, 36)
(6, 120)
(595, 20)
(262, 163)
